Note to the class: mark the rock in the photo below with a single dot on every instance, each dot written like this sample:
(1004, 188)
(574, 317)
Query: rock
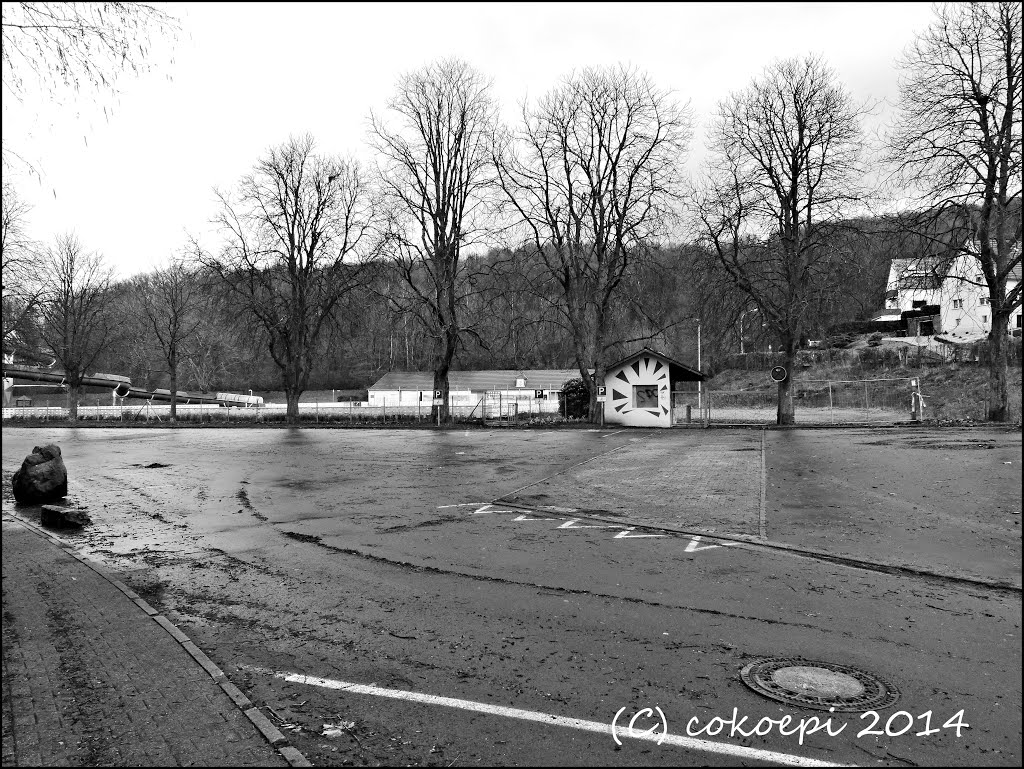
(62, 517)
(42, 477)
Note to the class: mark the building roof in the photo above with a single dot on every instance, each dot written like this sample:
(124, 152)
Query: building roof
(679, 372)
(478, 381)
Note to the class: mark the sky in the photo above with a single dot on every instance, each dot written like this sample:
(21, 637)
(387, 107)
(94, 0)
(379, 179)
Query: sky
(133, 173)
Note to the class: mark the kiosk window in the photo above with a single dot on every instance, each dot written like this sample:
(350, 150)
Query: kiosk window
(645, 396)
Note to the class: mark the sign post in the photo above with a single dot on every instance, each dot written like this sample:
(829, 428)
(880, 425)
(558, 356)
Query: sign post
(602, 395)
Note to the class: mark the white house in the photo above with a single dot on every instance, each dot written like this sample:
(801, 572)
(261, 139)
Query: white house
(956, 286)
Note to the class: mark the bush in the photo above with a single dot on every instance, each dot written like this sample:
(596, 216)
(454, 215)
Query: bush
(891, 327)
(839, 341)
(577, 398)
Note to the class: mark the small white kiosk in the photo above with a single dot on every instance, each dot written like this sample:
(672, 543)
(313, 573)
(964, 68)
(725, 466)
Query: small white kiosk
(640, 386)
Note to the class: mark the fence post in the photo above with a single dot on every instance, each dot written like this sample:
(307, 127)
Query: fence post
(831, 413)
(867, 406)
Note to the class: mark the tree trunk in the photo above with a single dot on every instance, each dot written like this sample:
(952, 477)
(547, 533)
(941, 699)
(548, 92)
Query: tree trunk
(174, 392)
(786, 414)
(74, 393)
(291, 395)
(441, 414)
(998, 396)
(596, 381)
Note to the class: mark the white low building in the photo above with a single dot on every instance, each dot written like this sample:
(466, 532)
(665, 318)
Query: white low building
(494, 393)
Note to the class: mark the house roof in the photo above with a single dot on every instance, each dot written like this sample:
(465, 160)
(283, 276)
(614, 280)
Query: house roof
(679, 372)
(477, 381)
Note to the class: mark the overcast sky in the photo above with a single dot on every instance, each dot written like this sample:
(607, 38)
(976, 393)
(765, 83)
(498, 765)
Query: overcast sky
(132, 174)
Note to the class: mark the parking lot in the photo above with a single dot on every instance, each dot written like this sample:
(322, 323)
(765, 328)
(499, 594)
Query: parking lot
(495, 596)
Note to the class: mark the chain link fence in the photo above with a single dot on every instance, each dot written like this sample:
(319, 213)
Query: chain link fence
(824, 401)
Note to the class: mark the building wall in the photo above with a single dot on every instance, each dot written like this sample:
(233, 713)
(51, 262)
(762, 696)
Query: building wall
(639, 394)
(498, 402)
(963, 303)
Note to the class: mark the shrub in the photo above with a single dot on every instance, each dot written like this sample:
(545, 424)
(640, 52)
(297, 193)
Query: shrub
(577, 398)
(839, 341)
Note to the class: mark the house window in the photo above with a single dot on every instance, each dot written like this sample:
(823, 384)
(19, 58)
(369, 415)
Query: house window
(918, 303)
(984, 318)
(645, 396)
(982, 300)
(1018, 320)
(979, 279)
(958, 304)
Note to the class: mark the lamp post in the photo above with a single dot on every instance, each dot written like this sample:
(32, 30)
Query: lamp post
(700, 391)
(699, 383)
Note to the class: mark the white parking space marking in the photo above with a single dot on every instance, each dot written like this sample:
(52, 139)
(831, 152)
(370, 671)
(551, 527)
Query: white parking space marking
(695, 545)
(626, 535)
(526, 515)
(687, 743)
(572, 525)
(484, 510)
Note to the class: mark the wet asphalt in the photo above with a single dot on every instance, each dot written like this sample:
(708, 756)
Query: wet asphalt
(576, 574)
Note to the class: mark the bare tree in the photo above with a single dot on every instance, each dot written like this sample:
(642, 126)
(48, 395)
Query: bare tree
(593, 175)
(66, 44)
(957, 147)
(784, 171)
(20, 281)
(170, 302)
(55, 45)
(437, 179)
(76, 321)
(297, 229)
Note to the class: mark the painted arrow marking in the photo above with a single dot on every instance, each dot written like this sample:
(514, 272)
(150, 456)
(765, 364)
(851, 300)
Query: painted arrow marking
(626, 535)
(572, 525)
(528, 518)
(694, 545)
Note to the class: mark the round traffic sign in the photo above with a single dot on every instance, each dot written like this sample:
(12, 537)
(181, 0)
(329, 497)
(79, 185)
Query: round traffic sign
(779, 374)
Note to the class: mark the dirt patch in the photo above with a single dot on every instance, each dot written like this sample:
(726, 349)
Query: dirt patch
(302, 537)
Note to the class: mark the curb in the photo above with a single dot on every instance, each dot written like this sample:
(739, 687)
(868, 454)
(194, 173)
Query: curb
(270, 732)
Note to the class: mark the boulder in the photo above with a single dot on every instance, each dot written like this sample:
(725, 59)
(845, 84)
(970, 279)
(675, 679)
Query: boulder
(42, 477)
(63, 517)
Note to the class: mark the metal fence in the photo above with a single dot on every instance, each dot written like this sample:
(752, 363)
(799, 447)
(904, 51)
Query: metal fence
(497, 410)
(824, 401)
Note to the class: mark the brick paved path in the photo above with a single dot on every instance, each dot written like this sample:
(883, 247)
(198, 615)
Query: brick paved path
(90, 680)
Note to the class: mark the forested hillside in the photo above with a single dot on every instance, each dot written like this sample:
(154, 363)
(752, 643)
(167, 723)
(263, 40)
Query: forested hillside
(512, 320)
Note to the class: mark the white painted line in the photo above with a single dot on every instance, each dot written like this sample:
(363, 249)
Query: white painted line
(527, 518)
(689, 743)
(485, 511)
(626, 535)
(609, 435)
(694, 545)
(461, 504)
(571, 525)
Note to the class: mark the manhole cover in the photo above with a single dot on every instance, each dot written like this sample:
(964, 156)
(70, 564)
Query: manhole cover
(819, 685)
